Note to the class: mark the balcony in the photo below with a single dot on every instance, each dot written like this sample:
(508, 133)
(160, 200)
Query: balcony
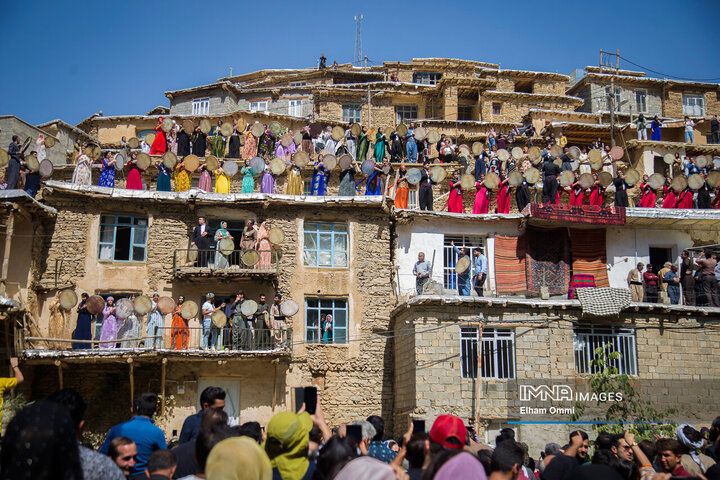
(167, 342)
(204, 265)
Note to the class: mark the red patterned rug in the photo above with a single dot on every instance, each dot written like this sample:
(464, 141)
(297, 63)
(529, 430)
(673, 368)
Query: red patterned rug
(579, 213)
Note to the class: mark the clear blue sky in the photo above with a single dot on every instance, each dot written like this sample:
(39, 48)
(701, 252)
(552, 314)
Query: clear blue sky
(71, 59)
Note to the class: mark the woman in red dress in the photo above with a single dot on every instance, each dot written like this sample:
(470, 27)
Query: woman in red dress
(670, 199)
(159, 145)
(685, 199)
(597, 194)
(134, 179)
(482, 203)
(503, 196)
(648, 194)
(455, 201)
(577, 193)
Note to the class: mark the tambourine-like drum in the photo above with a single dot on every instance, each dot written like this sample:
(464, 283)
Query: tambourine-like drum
(230, 168)
(226, 246)
(656, 181)
(617, 152)
(467, 182)
(515, 178)
(287, 140)
(301, 158)
(433, 136)
(124, 308)
(249, 307)
(345, 161)
(188, 126)
(356, 129)
(142, 304)
(605, 179)
(574, 152)
(492, 180)
(68, 299)
(586, 180)
(462, 265)
(329, 161)
(142, 161)
(701, 161)
(49, 142)
(191, 163)
(414, 175)
(420, 133)
(189, 309)
(595, 155)
(275, 128)
(713, 179)
(465, 150)
(95, 304)
(32, 163)
(337, 133)
(437, 174)
(46, 168)
(534, 154)
(226, 129)
(556, 151)
(250, 258)
(566, 178)
(532, 175)
(297, 138)
(169, 159)
(257, 165)
(150, 138)
(166, 305)
(695, 181)
(219, 319)
(192, 253)
(503, 155)
(134, 142)
(517, 153)
(402, 129)
(289, 308)
(4, 157)
(119, 161)
(257, 129)
(205, 126)
(368, 166)
(632, 176)
(211, 163)
(166, 125)
(669, 158)
(679, 183)
(276, 236)
(277, 166)
(477, 148)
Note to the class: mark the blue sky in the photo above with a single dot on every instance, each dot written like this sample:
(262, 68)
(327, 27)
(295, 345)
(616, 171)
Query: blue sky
(72, 59)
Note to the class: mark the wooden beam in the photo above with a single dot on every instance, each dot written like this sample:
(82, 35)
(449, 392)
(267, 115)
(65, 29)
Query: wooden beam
(10, 227)
(58, 364)
(162, 388)
(276, 362)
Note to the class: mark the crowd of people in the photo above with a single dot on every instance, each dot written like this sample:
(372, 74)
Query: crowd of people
(44, 441)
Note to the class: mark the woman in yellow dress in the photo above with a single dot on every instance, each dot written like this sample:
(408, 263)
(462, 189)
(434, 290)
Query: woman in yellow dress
(294, 181)
(182, 178)
(222, 181)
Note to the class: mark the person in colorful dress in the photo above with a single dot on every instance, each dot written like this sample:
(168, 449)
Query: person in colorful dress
(294, 182)
(107, 175)
(205, 183)
(163, 178)
(218, 148)
(267, 185)
(482, 202)
(221, 260)
(266, 144)
(84, 324)
(110, 325)
(402, 189)
(155, 324)
(182, 178)
(455, 199)
(319, 180)
(222, 181)
(362, 147)
(250, 147)
(180, 331)
(159, 145)
(134, 179)
(380, 145)
(263, 246)
(503, 196)
(327, 329)
(248, 183)
(82, 174)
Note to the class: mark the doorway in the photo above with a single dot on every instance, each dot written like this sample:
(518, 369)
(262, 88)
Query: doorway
(658, 257)
(659, 165)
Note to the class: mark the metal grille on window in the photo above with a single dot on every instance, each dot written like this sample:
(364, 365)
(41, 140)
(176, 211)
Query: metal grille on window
(315, 330)
(621, 340)
(498, 353)
(406, 112)
(450, 258)
(468, 351)
(352, 113)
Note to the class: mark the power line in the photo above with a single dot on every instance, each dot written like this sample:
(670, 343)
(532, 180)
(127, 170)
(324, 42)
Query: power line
(668, 75)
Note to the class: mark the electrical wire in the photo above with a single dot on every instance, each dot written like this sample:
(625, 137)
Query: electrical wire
(668, 75)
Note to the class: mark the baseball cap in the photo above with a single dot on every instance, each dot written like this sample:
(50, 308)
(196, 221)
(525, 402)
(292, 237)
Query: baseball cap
(446, 427)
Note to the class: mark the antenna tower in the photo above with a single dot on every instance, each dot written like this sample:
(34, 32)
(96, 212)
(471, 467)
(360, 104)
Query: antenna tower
(358, 38)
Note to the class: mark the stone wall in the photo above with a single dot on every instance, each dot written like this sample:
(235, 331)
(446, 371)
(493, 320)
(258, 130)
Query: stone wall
(220, 102)
(673, 105)
(544, 85)
(595, 91)
(281, 105)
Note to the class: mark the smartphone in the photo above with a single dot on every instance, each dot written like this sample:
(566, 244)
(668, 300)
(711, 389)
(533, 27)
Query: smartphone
(310, 399)
(418, 426)
(354, 433)
(299, 398)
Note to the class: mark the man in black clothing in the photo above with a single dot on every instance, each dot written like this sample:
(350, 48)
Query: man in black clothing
(425, 197)
(714, 130)
(566, 160)
(201, 239)
(522, 195)
(550, 185)
(183, 143)
(199, 142)
(13, 168)
(687, 280)
(621, 198)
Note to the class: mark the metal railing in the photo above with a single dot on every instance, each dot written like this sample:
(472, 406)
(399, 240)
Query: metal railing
(191, 339)
(213, 260)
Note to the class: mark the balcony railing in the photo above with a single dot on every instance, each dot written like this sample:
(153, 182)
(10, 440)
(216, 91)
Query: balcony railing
(211, 262)
(197, 340)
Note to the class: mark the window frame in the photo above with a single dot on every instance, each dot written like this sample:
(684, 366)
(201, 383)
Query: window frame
(584, 353)
(450, 258)
(352, 113)
(426, 78)
(295, 105)
(318, 232)
(255, 106)
(406, 112)
(319, 309)
(643, 93)
(617, 98)
(132, 243)
(474, 345)
(686, 106)
(468, 110)
(201, 106)
(498, 110)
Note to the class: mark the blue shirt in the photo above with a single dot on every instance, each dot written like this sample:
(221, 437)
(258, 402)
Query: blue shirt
(190, 428)
(147, 438)
(465, 276)
(381, 452)
(481, 265)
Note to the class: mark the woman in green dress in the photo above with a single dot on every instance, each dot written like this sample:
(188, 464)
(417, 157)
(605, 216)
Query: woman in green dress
(362, 148)
(219, 142)
(380, 145)
(248, 183)
(221, 260)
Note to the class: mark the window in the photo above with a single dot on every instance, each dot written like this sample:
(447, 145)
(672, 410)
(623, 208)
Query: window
(616, 100)
(465, 112)
(294, 108)
(201, 106)
(298, 84)
(426, 78)
(326, 245)
(123, 238)
(693, 105)
(498, 352)
(641, 101)
(622, 341)
(315, 309)
(352, 113)
(259, 106)
(450, 258)
(497, 108)
(405, 112)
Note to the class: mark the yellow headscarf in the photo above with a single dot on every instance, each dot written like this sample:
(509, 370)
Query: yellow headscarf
(287, 444)
(238, 458)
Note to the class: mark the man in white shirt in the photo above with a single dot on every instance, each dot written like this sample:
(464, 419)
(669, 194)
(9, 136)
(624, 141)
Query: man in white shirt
(689, 130)
(208, 308)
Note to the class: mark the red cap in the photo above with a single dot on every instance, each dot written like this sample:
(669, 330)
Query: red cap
(446, 427)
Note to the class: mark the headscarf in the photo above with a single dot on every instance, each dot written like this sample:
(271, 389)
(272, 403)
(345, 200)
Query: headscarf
(223, 231)
(692, 447)
(287, 444)
(366, 468)
(238, 458)
(110, 298)
(462, 465)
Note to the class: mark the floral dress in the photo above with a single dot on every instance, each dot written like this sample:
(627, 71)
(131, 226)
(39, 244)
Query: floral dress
(250, 148)
(107, 176)
(82, 174)
(182, 179)
(248, 183)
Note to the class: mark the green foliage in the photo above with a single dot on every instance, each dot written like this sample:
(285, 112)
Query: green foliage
(632, 413)
(10, 407)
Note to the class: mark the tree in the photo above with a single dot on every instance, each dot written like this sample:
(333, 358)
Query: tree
(631, 413)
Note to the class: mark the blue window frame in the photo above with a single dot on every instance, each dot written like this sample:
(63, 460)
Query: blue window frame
(325, 245)
(123, 238)
(316, 311)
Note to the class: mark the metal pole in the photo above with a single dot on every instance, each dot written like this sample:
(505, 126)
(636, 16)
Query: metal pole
(368, 99)
(611, 102)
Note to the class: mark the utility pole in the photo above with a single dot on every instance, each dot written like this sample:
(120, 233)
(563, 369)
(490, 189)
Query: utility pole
(611, 94)
(358, 38)
(368, 101)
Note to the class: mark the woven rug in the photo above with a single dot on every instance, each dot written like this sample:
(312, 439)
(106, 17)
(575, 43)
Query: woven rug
(603, 302)
(580, 281)
(510, 264)
(579, 213)
(547, 260)
(589, 256)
